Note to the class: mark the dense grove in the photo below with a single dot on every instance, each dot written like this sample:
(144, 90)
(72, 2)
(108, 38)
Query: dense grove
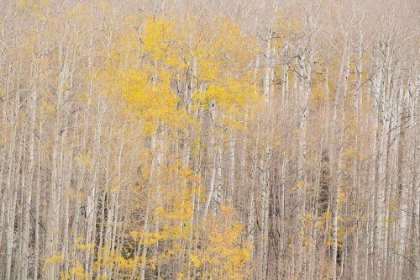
(210, 139)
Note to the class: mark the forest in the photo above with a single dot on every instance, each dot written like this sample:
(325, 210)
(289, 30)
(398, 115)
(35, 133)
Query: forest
(210, 139)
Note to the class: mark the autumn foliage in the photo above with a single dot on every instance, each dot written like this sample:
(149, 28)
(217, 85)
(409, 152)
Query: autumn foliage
(209, 139)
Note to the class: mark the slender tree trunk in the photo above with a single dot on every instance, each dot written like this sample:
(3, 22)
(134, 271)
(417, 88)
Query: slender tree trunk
(10, 190)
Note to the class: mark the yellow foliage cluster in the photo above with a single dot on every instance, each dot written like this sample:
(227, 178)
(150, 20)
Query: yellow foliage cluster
(144, 71)
(222, 255)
